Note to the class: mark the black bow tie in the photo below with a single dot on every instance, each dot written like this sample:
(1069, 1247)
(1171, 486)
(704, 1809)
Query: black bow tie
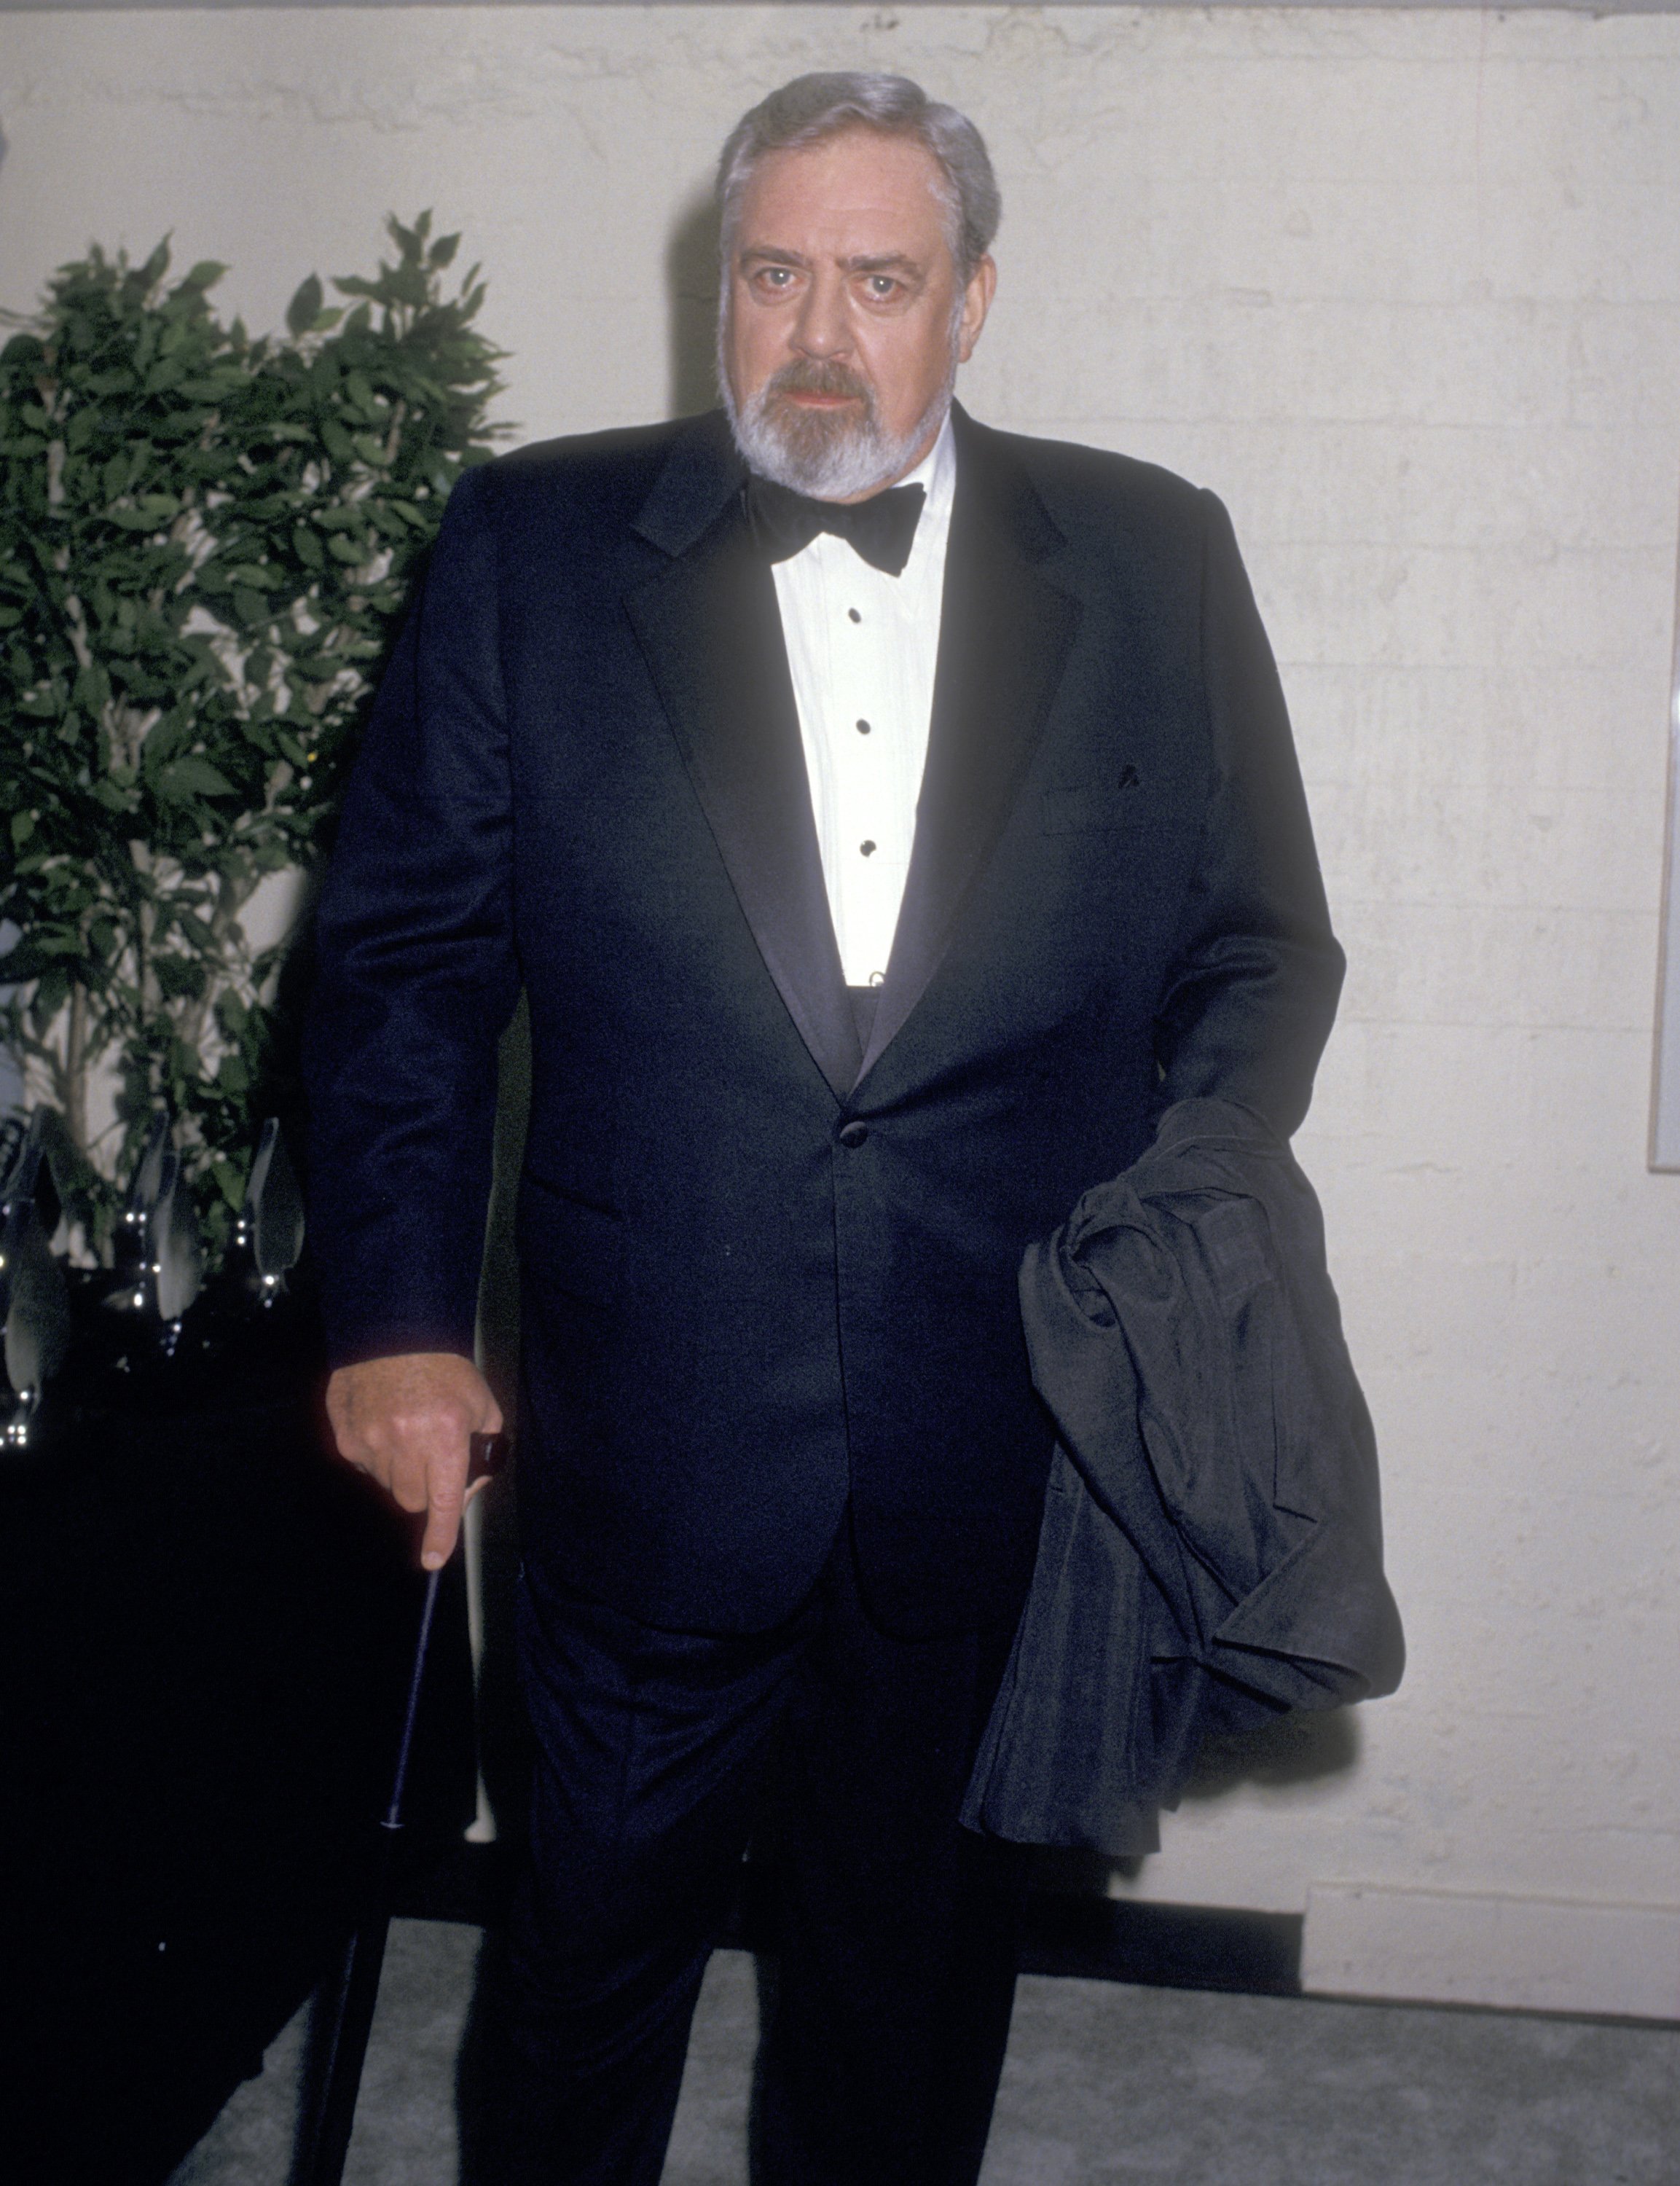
(881, 529)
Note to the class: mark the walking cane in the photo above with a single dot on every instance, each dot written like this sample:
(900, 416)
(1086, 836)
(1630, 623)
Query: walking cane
(358, 1978)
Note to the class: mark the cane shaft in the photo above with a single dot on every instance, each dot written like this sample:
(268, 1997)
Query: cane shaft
(358, 1985)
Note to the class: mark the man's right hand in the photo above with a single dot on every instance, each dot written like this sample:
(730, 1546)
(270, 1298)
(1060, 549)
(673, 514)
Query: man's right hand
(409, 1422)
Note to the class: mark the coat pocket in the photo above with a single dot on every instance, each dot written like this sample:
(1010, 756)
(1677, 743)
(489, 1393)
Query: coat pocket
(1098, 807)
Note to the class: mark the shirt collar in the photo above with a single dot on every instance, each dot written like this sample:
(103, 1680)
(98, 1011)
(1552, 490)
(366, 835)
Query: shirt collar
(936, 474)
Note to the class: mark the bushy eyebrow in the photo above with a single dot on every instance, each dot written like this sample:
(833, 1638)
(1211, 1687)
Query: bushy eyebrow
(894, 261)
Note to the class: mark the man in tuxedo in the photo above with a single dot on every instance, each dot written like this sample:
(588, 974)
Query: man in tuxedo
(885, 818)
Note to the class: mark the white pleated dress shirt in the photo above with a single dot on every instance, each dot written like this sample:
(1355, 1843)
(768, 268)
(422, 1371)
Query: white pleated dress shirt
(862, 647)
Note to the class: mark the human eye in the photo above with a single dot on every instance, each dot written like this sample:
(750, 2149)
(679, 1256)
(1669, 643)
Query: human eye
(773, 280)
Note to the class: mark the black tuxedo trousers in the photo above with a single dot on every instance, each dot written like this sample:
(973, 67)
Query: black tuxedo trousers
(841, 1753)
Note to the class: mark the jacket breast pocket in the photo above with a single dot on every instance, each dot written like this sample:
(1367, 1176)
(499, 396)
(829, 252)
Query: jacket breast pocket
(1089, 808)
(570, 1243)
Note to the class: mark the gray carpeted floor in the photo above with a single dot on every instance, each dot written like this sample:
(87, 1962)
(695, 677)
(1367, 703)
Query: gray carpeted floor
(1103, 2084)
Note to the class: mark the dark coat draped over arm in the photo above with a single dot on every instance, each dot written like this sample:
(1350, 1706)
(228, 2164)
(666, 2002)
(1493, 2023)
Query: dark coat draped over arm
(1211, 1552)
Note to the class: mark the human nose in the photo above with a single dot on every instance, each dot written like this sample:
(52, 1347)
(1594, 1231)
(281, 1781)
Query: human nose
(822, 330)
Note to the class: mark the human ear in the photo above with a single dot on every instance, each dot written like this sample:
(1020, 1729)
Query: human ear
(977, 301)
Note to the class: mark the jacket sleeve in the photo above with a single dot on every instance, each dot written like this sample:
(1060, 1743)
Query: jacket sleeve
(1251, 988)
(416, 974)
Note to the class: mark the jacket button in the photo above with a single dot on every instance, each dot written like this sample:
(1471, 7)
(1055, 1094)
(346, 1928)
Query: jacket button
(853, 1134)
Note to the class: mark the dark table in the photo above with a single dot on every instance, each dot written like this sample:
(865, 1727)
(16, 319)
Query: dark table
(205, 1623)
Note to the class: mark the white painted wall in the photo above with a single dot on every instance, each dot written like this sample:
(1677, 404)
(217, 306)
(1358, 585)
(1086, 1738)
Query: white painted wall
(1405, 288)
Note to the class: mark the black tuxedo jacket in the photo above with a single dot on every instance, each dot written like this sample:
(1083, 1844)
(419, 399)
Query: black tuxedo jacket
(762, 1272)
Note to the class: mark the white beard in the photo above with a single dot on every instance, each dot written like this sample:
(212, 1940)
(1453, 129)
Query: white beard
(832, 455)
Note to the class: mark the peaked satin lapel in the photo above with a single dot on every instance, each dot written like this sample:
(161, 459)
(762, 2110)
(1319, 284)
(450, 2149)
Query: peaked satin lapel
(711, 630)
(1005, 633)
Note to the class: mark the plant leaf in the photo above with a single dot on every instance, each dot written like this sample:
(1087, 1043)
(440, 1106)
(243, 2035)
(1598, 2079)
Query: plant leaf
(305, 307)
(193, 777)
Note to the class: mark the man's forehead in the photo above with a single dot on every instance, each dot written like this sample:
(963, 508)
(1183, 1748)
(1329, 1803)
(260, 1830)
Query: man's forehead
(858, 178)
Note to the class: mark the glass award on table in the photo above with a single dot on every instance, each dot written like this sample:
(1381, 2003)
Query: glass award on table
(250, 1312)
(129, 1241)
(34, 1300)
(157, 1264)
(267, 1236)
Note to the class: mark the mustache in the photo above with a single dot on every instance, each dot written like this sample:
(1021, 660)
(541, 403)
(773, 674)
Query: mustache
(815, 376)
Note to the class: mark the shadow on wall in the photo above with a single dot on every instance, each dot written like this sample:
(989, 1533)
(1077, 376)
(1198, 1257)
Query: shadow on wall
(1296, 1749)
(691, 278)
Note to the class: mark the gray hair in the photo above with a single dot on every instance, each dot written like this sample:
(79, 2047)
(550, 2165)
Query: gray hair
(813, 107)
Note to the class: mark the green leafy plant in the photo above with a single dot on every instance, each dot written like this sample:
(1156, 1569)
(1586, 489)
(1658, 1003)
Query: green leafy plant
(206, 539)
